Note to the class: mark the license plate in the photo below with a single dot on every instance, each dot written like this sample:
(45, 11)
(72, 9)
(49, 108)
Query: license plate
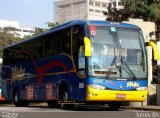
(121, 96)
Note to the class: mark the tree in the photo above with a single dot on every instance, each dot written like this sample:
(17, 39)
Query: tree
(155, 17)
(113, 14)
(39, 30)
(7, 37)
(52, 24)
(148, 10)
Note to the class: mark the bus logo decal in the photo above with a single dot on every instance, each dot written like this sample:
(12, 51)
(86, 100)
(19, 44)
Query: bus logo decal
(93, 30)
(18, 73)
(132, 84)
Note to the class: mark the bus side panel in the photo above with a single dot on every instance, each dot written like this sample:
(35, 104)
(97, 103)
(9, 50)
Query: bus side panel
(77, 88)
(41, 79)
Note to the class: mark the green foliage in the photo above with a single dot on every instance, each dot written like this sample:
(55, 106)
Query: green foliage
(147, 10)
(154, 11)
(39, 30)
(113, 14)
(7, 37)
(51, 24)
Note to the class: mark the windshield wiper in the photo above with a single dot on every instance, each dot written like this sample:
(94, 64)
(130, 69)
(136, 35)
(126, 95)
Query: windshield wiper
(120, 67)
(128, 68)
(112, 63)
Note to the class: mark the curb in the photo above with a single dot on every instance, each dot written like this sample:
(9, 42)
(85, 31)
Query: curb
(145, 108)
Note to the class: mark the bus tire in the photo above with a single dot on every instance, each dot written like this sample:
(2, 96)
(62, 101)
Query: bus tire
(17, 101)
(64, 98)
(65, 101)
(114, 106)
(53, 104)
(62, 91)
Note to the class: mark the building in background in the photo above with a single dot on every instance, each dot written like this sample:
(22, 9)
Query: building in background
(18, 31)
(66, 10)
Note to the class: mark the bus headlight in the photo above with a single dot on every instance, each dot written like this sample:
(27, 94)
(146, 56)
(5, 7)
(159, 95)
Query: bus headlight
(95, 86)
(141, 88)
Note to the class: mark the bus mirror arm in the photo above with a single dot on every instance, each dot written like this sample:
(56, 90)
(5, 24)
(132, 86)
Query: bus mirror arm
(87, 45)
(154, 48)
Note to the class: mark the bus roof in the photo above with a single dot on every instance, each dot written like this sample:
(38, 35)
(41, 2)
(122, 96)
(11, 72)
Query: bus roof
(110, 23)
(97, 22)
(81, 22)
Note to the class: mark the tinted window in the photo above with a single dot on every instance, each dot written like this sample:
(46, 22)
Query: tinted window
(77, 43)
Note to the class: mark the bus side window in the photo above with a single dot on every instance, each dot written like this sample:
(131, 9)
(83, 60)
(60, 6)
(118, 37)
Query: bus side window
(65, 41)
(81, 61)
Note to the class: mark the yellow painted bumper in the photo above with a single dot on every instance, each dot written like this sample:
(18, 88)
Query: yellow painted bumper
(112, 95)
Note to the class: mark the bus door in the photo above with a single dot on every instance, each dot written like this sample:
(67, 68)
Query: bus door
(79, 61)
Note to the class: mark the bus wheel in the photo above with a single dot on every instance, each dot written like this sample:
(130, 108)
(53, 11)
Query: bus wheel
(65, 100)
(17, 102)
(16, 98)
(52, 103)
(114, 106)
(65, 96)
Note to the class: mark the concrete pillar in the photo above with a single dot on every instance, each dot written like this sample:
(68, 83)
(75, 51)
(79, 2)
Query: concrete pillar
(149, 54)
(158, 95)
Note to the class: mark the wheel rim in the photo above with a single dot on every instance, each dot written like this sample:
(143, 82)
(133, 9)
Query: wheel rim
(16, 98)
(65, 96)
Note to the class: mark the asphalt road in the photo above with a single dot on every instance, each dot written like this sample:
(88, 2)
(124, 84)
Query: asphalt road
(77, 112)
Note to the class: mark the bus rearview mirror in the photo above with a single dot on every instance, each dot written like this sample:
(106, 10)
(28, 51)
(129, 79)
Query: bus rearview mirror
(87, 45)
(155, 50)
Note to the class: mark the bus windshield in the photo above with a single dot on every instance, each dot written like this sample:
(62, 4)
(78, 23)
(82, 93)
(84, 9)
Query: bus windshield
(117, 53)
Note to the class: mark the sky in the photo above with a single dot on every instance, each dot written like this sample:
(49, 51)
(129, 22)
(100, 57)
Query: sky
(29, 13)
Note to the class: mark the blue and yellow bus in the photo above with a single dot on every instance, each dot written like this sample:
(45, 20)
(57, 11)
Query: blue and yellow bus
(1, 98)
(79, 61)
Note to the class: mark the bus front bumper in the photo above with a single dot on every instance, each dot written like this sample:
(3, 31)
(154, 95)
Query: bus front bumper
(114, 95)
